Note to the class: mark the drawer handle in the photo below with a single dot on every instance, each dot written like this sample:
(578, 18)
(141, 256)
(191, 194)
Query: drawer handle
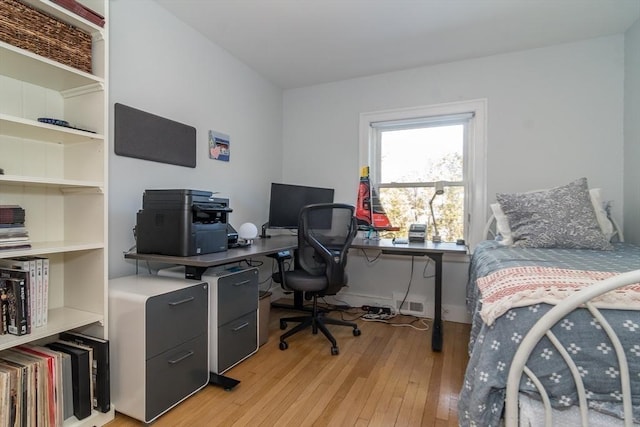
(180, 359)
(182, 301)
(244, 282)
(244, 325)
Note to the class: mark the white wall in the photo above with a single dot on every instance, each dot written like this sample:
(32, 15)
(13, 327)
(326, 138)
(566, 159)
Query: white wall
(160, 65)
(632, 134)
(554, 115)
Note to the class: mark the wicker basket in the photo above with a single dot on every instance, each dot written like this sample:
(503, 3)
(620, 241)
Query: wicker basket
(28, 28)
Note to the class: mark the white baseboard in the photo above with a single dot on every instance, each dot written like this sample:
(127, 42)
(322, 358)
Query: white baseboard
(452, 313)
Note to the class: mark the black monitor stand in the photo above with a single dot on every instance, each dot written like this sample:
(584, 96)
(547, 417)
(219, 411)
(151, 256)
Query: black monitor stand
(264, 234)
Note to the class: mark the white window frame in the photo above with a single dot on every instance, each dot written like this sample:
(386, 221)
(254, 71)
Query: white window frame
(475, 154)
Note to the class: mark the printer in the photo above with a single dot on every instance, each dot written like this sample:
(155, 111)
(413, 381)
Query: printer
(182, 223)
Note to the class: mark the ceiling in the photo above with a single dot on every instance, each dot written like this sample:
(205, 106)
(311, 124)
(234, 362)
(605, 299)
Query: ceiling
(297, 43)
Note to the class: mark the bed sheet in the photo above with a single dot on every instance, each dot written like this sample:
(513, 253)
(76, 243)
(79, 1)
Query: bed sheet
(491, 348)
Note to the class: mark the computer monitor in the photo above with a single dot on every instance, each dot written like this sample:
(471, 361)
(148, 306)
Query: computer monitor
(287, 200)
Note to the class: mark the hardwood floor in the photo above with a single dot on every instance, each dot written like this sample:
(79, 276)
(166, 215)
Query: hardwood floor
(388, 376)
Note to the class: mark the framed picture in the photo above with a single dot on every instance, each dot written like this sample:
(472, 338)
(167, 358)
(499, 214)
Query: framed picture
(219, 146)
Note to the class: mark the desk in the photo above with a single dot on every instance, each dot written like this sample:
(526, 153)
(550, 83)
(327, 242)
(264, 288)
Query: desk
(197, 265)
(435, 251)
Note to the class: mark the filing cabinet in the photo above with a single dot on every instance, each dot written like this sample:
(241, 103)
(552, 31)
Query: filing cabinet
(233, 324)
(159, 343)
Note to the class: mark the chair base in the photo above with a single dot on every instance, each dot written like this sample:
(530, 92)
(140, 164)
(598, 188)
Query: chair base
(317, 321)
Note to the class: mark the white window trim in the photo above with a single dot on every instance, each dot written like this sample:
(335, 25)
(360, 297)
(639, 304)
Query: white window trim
(476, 163)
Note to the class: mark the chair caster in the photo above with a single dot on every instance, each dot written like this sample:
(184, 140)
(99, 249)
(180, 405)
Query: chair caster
(283, 325)
(334, 351)
(283, 345)
(356, 332)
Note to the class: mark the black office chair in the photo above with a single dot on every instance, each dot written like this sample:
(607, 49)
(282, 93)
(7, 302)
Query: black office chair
(325, 232)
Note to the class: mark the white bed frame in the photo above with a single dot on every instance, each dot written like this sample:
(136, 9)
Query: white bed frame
(543, 328)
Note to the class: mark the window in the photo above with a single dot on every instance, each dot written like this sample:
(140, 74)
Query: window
(413, 158)
(412, 151)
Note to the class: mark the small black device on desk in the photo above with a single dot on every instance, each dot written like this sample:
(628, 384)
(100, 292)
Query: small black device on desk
(182, 223)
(417, 232)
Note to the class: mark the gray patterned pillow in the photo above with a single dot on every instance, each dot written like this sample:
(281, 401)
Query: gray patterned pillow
(561, 217)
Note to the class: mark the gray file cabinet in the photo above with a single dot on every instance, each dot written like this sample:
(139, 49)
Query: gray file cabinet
(158, 330)
(233, 324)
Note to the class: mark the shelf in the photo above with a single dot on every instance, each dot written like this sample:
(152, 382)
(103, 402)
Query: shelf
(59, 320)
(29, 67)
(66, 185)
(32, 129)
(48, 248)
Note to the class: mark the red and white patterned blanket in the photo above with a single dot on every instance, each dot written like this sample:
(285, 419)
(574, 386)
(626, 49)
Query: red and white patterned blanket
(522, 286)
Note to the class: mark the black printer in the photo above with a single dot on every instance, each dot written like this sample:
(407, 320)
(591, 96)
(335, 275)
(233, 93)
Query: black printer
(182, 223)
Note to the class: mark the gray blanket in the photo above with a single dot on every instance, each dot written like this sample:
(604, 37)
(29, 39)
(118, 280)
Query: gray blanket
(491, 348)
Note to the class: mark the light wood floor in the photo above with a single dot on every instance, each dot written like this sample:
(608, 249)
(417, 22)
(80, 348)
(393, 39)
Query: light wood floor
(388, 376)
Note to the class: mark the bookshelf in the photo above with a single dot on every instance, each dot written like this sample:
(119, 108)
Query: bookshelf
(59, 176)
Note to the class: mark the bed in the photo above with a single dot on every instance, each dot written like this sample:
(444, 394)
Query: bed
(512, 286)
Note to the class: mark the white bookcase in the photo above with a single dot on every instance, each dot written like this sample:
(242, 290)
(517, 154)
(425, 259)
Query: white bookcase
(59, 176)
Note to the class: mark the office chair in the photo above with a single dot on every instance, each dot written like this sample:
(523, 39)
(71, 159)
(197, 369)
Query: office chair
(325, 232)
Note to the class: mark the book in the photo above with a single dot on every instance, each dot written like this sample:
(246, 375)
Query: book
(11, 214)
(67, 386)
(5, 398)
(4, 310)
(12, 407)
(9, 230)
(20, 393)
(100, 368)
(36, 319)
(13, 293)
(6, 246)
(43, 308)
(81, 377)
(11, 239)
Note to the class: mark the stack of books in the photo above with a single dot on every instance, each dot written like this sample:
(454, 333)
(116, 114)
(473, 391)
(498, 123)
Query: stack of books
(13, 234)
(24, 294)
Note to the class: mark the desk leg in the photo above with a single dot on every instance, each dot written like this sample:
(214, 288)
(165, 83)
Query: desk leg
(436, 335)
